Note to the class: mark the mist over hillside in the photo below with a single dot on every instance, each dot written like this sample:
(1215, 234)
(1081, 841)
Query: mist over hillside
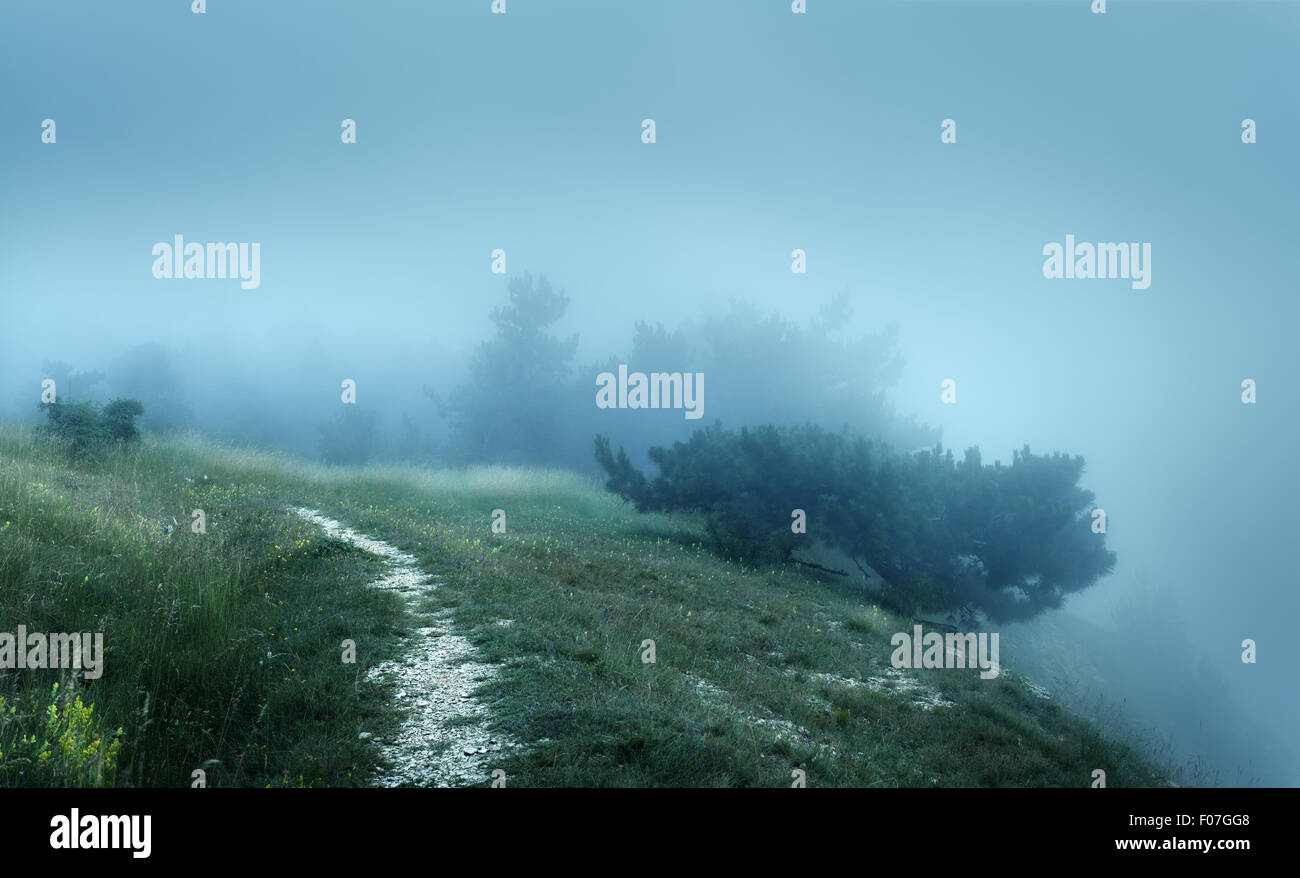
(803, 239)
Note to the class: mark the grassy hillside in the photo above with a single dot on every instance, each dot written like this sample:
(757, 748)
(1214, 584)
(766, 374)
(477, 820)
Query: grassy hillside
(226, 646)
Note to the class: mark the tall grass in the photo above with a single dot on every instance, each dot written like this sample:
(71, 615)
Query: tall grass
(223, 649)
(216, 644)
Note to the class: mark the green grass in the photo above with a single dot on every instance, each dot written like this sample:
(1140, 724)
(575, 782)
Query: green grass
(752, 679)
(188, 620)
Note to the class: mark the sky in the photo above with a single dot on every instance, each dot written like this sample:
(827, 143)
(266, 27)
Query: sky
(774, 131)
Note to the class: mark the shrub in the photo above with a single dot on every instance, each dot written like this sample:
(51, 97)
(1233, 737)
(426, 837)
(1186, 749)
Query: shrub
(84, 427)
(54, 742)
(119, 417)
(1009, 540)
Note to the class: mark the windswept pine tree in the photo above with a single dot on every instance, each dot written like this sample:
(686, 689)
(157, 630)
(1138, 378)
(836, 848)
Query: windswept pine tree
(1010, 541)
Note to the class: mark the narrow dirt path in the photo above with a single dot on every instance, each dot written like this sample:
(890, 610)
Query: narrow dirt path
(443, 739)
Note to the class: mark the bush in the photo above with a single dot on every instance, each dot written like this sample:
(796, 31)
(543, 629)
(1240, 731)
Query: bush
(118, 419)
(55, 741)
(1011, 541)
(84, 427)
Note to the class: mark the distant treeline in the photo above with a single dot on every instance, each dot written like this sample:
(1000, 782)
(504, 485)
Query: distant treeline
(520, 398)
(525, 401)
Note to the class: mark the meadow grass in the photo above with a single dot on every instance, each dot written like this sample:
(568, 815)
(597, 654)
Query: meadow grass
(758, 672)
(220, 646)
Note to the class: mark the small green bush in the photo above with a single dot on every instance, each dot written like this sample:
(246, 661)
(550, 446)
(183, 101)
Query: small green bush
(55, 741)
(84, 427)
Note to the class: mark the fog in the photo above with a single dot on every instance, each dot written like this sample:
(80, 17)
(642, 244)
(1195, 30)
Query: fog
(773, 133)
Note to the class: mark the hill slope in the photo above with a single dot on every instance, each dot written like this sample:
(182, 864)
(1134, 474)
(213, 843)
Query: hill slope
(225, 651)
